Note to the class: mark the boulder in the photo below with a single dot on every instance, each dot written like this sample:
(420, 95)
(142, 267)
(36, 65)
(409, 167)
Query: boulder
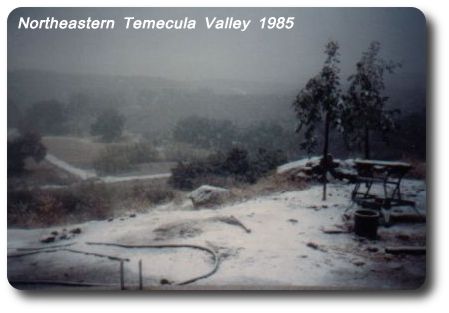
(208, 196)
(47, 239)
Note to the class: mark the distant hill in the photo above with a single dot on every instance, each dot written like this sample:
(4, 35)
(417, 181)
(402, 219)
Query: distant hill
(153, 104)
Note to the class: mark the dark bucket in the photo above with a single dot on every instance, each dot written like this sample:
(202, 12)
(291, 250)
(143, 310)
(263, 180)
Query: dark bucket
(366, 223)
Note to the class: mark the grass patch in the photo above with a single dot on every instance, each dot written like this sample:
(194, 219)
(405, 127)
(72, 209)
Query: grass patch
(80, 152)
(121, 158)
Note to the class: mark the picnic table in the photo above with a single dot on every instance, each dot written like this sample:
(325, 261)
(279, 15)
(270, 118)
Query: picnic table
(387, 174)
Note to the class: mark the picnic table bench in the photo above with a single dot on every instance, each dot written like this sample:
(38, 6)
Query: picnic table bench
(385, 173)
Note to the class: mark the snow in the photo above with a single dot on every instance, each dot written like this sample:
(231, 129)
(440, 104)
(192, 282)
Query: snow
(276, 253)
(91, 174)
(83, 174)
(297, 165)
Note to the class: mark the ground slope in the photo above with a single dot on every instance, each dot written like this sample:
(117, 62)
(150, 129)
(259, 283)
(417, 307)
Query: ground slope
(270, 242)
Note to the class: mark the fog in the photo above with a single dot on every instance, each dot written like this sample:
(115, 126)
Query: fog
(158, 79)
(287, 56)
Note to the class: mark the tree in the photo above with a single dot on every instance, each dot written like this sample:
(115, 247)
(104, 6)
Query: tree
(79, 109)
(319, 99)
(269, 135)
(109, 125)
(22, 147)
(46, 117)
(364, 103)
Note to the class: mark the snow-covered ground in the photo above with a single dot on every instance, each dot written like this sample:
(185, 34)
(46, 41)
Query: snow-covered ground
(279, 244)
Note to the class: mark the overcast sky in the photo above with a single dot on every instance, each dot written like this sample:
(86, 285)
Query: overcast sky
(254, 55)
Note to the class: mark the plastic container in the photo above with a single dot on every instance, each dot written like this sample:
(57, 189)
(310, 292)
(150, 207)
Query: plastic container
(366, 223)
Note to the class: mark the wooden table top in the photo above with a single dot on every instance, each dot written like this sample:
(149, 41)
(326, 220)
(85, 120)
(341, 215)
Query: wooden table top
(382, 163)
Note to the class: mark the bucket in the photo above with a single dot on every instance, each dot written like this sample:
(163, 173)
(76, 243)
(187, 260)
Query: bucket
(366, 222)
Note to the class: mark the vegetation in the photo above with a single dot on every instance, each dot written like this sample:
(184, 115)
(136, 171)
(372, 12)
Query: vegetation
(120, 158)
(19, 149)
(318, 100)
(364, 103)
(222, 135)
(235, 164)
(206, 133)
(83, 202)
(269, 135)
(46, 117)
(109, 125)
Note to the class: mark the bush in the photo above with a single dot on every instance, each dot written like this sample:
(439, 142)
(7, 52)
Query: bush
(206, 133)
(267, 160)
(182, 152)
(268, 135)
(152, 194)
(50, 207)
(22, 147)
(235, 164)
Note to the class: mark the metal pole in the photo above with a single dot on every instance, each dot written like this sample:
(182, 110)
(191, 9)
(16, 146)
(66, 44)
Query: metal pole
(122, 276)
(140, 275)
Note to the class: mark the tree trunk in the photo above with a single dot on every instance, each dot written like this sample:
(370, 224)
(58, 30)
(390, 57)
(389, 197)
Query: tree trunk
(325, 153)
(367, 144)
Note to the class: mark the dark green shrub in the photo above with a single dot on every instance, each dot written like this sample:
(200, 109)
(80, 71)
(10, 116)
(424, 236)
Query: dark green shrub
(236, 164)
(22, 147)
(206, 133)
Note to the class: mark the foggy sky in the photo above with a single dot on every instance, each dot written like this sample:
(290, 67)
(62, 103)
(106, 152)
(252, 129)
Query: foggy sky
(201, 54)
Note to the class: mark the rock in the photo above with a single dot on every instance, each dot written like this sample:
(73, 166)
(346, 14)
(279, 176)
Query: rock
(315, 246)
(110, 219)
(54, 233)
(358, 263)
(76, 231)
(47, 239)
(333, 230)
(132, 215)
(372, 249)
(292, 220)
(208, 196)
(165, 282)
(312, 245)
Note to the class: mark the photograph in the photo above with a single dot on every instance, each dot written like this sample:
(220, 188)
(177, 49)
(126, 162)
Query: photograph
(217, 148)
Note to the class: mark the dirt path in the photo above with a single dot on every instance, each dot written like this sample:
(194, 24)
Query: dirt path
(90, 174)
